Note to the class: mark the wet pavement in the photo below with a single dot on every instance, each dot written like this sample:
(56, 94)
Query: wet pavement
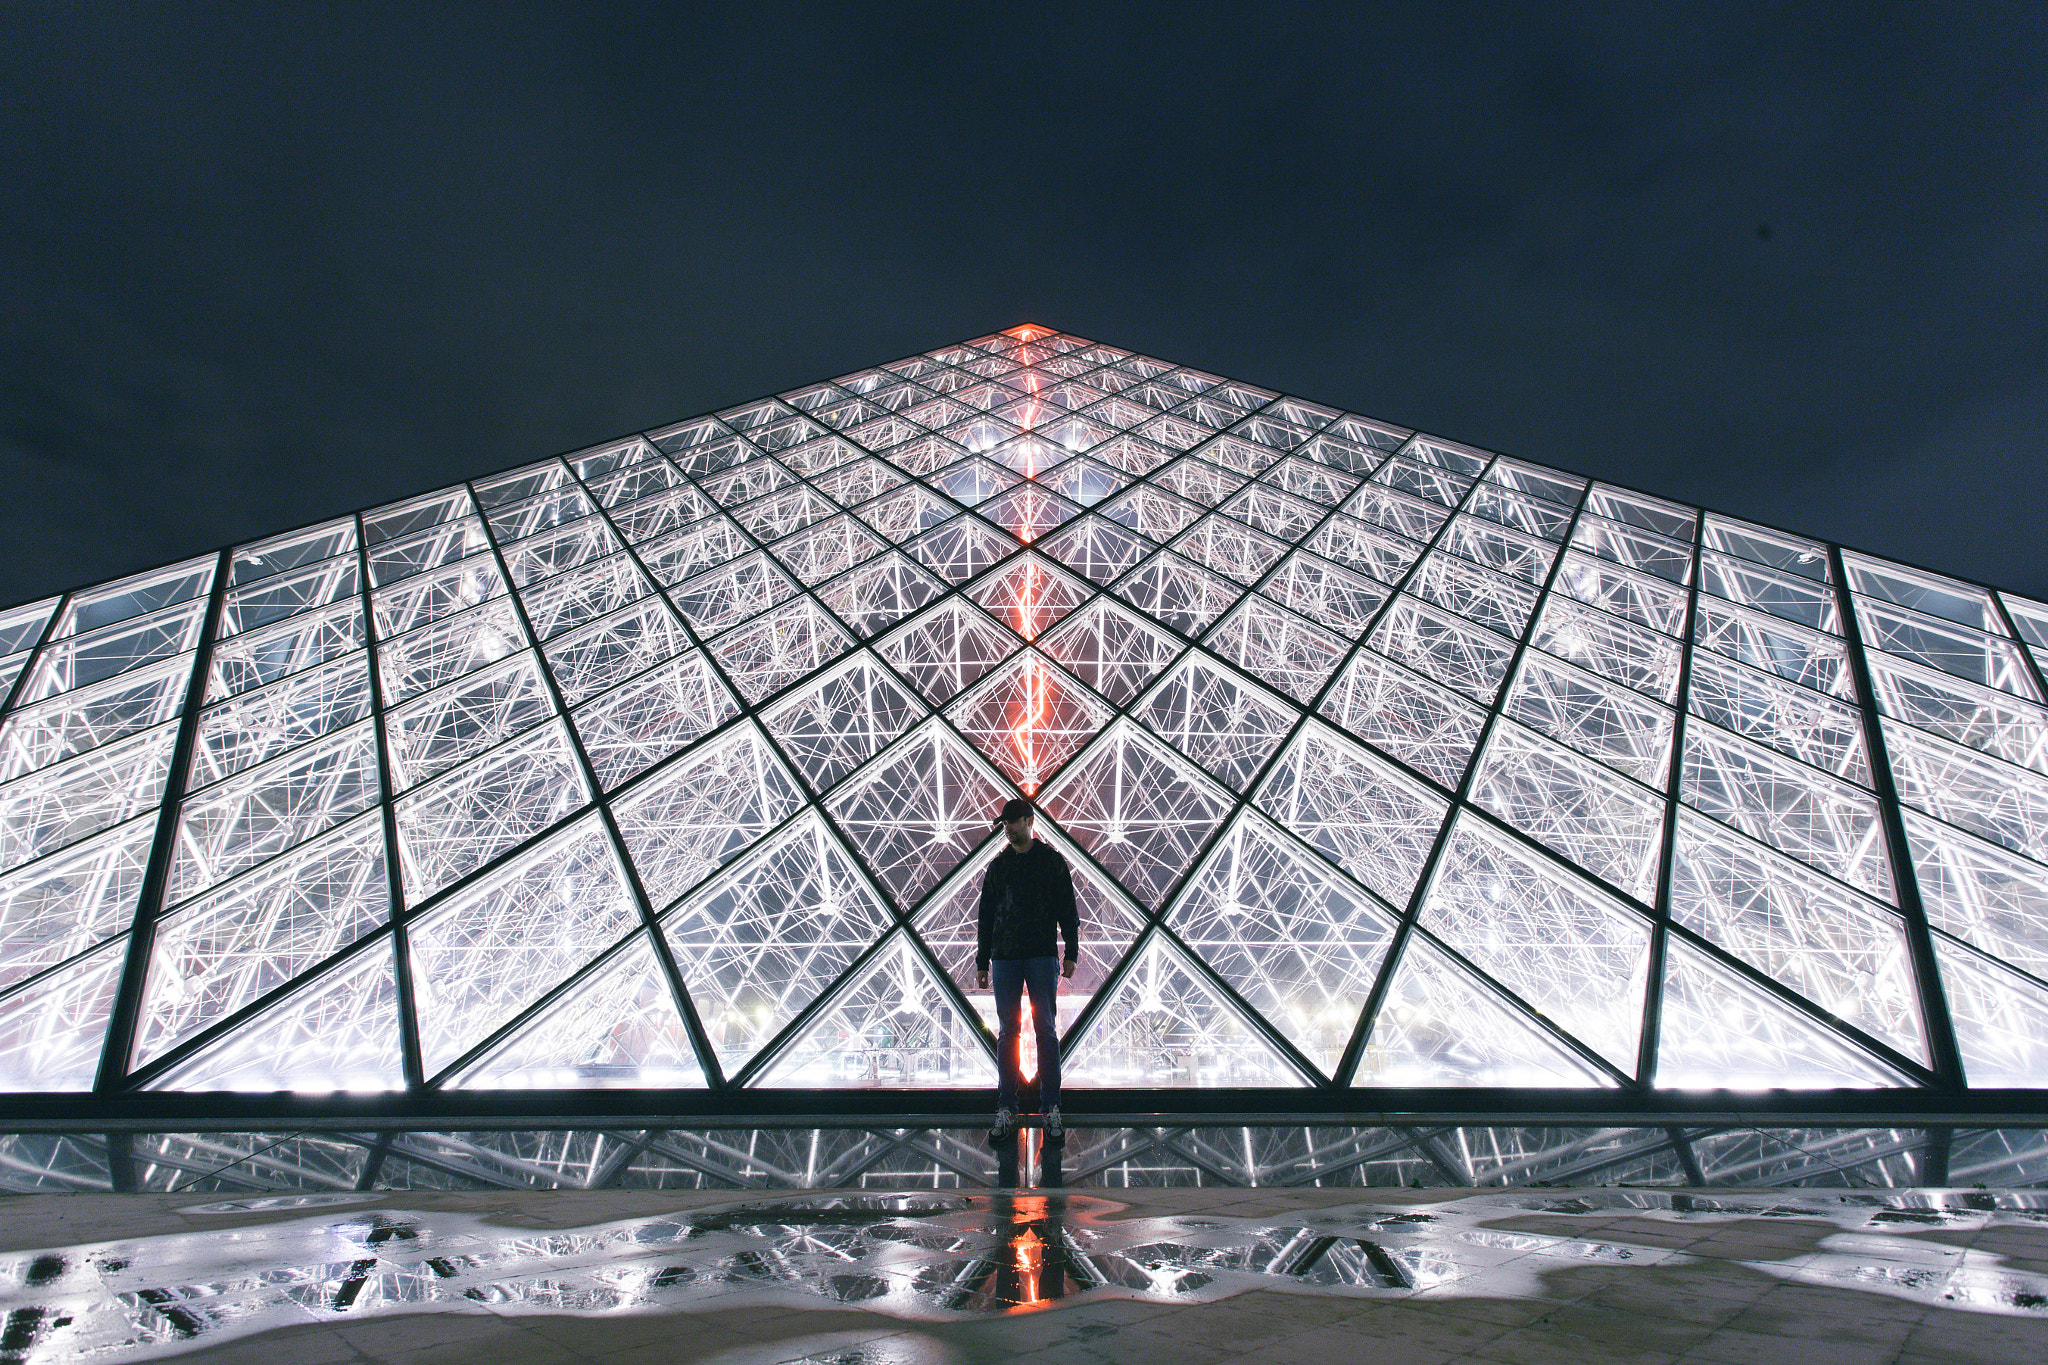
(1188, 1276)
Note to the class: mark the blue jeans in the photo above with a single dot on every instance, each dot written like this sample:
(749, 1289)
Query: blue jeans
(1011, 977)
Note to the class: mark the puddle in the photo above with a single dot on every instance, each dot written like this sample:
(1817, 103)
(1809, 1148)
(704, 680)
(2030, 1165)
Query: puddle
(924, 1257)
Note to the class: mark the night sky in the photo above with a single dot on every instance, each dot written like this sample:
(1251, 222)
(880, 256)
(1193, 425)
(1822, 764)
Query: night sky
(269, 264)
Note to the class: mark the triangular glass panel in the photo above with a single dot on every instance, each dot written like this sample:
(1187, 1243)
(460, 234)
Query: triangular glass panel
(52, 1029)
(1333, 597)
(1230, 548)
(1995, 901)
(617, 1027)
(1031, 595)
(340, 1032)
(639, 723)
(1029, 512)
(1218, 718)
(833, 725)
(880, 593)
(57, 907)
(1028, 717)
(1721, 1031)
(947, 648)
(1165, 1025)
(60, 806)
(1178, 593)
(1153, 512)
(2001, 1018)
(1570, 949)
(1847, 954)
(1097, 548)
(1112, 649)
(1278, 648)
(1377, 822)
(777, 649)
(919, 809)
(1430, 728)
(1140, 809)
(960, 549)
(704, 810)
(829, 548)
(1439, 1026)
(890, 1024)
(485, 953)
(1606, 824)
(215, 955)
(770, 934)
(1298, 941)
(457, 823)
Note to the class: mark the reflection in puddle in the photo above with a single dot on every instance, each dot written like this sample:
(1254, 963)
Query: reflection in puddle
(931, 1257)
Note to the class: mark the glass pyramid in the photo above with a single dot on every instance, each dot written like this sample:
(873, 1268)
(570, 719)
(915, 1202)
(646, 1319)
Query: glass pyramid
(1385, 763)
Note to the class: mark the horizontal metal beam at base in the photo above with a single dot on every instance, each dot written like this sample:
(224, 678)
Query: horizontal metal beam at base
(537, 1109)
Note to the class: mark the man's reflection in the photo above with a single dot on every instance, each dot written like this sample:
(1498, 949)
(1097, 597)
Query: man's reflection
(1031, 1262)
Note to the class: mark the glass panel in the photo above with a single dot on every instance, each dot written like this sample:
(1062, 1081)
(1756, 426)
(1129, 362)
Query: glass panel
(892, 1024)
(1279, 648)
(553, 552)
(21, 627)
(1977, 716)
(704, 810)
(918, 811)
(445, 651)
(95, 657)
(1371, 552)
(1031, 595)
(828, 548)
(459, 822)
(430, 596)
(1429, 728)
(880, 593)
(1439, 1026)
(676, 558)
(1493, 601)
(1028, 717)
(1177, 593)
(832, 726)
(433, 549)
(488, 952)
(1524, 557)
(1806, 657)
(947, 648)
(1462, 656)
(126, 598)
(1984, 659)
(225, 951)
(1780, 551)
(51, 1032)
(1614, 649)
(2001, 1018)
(769, 935)
(1112, 650)
(1991, 899)
(1781, 594)
(250, 729)
(59, 806)
(566, 602)
(776, 650)
(1844, 953)
(1634, 597)
(1539, 518)
(1095, 547)
(1332, 597)
(657, 714)
(1217, 719)
(1964, 603)
(274, 599)
(1638, 550)
(1816, 818)
(1609, 723)
(612, 649)
(257, 814)
(1302, 944)
(1997, 801)
(434, 733)
(415, 514)
(1375, 821)
(1651, 514)
(1275, 513)
(1808, 726)
(1605, 824)
(617, 1027)
(717, 599)
(57, 907)
(34, 737)
(1720, 1030)
(960, 549)
(1575, 953)
(1167, 1026)
(302, 642)
(1139, 809)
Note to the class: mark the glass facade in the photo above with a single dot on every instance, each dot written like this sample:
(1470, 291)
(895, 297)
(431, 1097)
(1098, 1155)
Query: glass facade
(1383, 763)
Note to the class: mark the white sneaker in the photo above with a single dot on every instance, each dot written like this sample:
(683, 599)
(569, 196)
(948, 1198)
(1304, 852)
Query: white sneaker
(1055, 1126)
(1005, 1124)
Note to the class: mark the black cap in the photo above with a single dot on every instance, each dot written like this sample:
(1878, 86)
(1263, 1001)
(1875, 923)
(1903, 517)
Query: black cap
(1016, 808)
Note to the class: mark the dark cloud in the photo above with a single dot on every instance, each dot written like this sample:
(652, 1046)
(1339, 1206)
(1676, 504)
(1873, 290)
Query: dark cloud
(267, 265)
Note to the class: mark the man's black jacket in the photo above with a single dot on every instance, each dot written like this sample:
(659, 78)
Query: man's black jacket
(1023, 896)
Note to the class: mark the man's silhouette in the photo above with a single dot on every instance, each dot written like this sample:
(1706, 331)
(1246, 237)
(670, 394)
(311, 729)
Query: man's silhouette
(1026, 894)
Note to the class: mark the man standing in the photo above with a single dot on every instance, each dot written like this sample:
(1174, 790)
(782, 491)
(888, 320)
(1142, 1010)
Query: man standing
(1025, 893)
